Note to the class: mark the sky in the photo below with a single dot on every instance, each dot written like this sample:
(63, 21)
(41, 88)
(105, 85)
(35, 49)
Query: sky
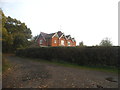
(89, 21)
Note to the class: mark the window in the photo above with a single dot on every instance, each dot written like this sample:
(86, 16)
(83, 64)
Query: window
(62, 42)
(69, 43)
(55, 41)
(41, 41)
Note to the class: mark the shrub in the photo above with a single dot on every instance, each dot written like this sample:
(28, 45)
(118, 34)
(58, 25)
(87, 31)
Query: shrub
(97, 56)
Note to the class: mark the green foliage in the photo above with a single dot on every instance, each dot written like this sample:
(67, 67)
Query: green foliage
(15, 34)
(35, 37)
(81, 44)
(106, 42)
(97, 56)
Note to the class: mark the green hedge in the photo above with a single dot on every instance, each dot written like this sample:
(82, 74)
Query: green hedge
(97, 56)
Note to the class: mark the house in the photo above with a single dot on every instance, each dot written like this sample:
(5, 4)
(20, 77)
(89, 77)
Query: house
(55, 39)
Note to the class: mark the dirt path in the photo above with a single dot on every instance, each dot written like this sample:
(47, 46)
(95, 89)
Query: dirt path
(32, 74)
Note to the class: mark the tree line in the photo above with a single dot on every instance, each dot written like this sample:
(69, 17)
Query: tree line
(15, 34)
(105, 42)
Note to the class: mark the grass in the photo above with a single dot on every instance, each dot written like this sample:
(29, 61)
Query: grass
(66, 64)
(5, 64)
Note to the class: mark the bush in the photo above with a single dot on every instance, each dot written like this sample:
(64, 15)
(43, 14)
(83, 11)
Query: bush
(97, 56)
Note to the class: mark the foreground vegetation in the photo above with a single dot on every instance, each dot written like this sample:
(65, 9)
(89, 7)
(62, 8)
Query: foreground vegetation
(5, 64)
(85, 56)
(15, 34)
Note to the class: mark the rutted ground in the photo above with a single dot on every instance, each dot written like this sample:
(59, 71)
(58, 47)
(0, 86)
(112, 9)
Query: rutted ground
(28, 73)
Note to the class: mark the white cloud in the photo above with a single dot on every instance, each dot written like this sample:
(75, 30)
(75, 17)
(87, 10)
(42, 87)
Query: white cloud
(11, 1)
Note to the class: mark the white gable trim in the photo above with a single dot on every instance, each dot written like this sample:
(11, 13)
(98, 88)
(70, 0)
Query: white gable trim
(37, 38)
(73, 40)
(68, 37)
(62, 35)
(54, 35)
(43, 37)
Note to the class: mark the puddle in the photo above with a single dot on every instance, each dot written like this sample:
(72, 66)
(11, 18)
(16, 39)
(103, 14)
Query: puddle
(99, 86)
(111, 79)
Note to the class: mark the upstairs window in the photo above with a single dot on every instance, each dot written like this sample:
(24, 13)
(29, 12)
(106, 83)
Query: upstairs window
(41, 41)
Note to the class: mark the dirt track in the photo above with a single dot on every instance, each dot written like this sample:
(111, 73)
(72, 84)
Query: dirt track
(32, 74)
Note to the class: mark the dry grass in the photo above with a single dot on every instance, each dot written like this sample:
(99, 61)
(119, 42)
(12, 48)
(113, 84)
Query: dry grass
(5, 64)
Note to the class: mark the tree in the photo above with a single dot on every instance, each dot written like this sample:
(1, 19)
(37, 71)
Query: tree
(106, 42)
(81, 44)
(15, 34)
(33, 42)
(34, 38)
(6, 37)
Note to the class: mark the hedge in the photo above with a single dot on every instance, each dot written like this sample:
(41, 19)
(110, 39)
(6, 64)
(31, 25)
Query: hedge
(97, 56)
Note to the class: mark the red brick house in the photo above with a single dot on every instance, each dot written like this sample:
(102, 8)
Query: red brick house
(55, 39)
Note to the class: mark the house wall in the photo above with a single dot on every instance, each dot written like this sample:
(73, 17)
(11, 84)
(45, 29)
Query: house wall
(53, 43)
(49, 42)
(43, 43)
(71, 42)
(65, 41)
(74, 43)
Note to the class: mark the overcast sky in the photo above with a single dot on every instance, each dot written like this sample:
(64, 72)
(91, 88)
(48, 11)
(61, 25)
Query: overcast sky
(89, 21)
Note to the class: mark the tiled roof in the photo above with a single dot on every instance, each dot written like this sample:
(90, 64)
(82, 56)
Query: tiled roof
(47, 36)
(59, 33)
(67, 36)
(44, 34)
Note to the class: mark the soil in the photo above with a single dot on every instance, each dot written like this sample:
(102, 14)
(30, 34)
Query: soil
(27, 73)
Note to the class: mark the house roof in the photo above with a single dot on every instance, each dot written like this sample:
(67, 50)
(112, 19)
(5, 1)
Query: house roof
(49, 35)
(46, 36)
(59, 33)
(43, 35)
(68, 36)
(73, 39)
